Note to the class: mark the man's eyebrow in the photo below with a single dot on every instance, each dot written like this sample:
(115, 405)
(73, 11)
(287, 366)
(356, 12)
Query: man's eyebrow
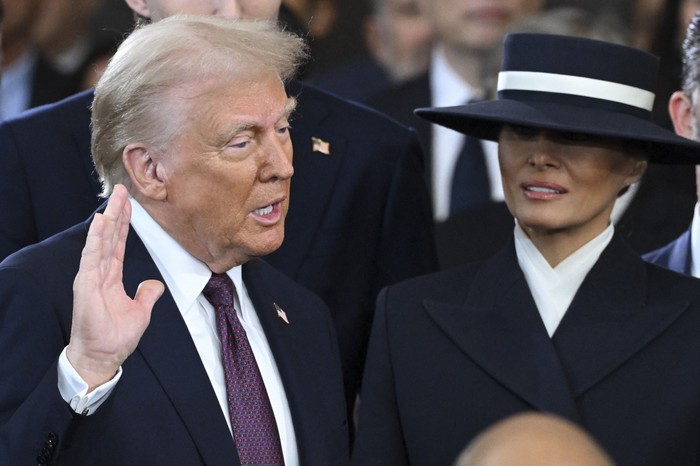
(290, 106)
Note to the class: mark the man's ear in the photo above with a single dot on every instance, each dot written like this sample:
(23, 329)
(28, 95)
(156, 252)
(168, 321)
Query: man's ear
(146, 174)
(680, 107)
(140, 7)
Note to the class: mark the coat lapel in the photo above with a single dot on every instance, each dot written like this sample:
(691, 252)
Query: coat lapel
(314, 177)
(499, 328)
(169, 351)
(609, 321)
(290, 342)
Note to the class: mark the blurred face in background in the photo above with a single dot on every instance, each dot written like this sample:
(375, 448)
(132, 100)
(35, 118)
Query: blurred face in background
(61, 22)
(19, 18)
(399, 37)
(475, 25)
(245, 9)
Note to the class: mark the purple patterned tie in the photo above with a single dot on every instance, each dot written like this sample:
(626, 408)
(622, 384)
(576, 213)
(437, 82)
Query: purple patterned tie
(254, 427)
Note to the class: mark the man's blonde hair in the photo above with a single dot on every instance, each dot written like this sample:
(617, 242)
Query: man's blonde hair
(170, 54)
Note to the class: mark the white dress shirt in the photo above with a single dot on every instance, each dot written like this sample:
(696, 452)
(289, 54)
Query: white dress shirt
(553, 289)
(185, 277)
(447, 88)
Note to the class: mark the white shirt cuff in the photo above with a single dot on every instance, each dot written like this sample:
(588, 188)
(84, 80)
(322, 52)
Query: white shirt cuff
(73, 388)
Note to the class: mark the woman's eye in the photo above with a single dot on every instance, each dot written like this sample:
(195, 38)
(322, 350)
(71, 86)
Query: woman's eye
(576, 137)
(524, 131)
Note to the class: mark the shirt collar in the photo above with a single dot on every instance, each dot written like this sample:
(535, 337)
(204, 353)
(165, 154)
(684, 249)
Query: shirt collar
(446, 86)
(581, 260)
(184, 275)
(553, 289)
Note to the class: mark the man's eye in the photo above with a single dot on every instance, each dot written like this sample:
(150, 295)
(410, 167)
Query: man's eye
(239, 145)
(283, 130)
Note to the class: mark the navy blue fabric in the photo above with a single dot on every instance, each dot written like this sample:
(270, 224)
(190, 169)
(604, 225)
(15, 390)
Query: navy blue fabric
(454, 352)
(568, 55)
(470, 180)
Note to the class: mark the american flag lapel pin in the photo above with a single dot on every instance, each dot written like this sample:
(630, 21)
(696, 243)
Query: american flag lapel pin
(281, 314)
(319, 145)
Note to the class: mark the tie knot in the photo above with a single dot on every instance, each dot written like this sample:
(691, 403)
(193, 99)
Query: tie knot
(219, 290)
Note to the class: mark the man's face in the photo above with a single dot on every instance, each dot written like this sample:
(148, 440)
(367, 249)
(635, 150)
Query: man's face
(227, 174)
(475, 24)
(245, 9)
(404, 38)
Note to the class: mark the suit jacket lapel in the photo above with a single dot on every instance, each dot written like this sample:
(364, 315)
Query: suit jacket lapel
(609, 320)
(169, 351)
(290, 343)
(499, 328)
(314, 177)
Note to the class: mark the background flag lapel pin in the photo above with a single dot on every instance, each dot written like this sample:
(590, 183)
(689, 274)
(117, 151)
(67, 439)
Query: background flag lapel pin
(280, 313)
(319, 145)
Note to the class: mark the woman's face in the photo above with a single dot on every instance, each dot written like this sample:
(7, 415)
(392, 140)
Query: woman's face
(563, 184)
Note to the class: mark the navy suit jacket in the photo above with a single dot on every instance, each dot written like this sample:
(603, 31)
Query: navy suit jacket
(163, 410)
(400, 101)
(359, 218)
(453, 352)
(676, 255)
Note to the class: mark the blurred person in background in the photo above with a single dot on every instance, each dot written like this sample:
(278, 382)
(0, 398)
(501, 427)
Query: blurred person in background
(29, 79)
(461, 172)
(682, 254)
(398, 37)
(314, 20)
(63, 32)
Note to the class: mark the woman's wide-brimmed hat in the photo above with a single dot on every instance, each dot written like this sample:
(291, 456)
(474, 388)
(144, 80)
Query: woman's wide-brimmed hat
(571, 84)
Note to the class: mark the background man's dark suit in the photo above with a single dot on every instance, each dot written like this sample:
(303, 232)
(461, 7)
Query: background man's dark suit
(164, 409)
(661, 210)
(400, 101)
(623, 362)
(359, 218)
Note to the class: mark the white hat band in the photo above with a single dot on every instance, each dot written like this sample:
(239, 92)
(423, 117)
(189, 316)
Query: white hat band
(575, 85)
